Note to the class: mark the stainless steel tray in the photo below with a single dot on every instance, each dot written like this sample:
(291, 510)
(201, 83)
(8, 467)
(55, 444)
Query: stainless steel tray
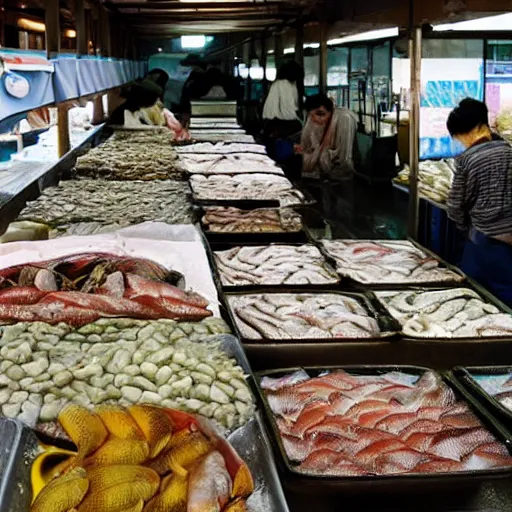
(217, 125)
(18, 449)
(242, 138)
(214, 108)
(253, 445)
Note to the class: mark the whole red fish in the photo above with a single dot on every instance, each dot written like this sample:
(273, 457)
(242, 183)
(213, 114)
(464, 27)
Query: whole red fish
(137, 286)
(21, 295)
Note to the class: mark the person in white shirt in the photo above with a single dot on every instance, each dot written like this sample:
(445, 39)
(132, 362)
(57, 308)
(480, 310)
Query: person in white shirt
(282, 111)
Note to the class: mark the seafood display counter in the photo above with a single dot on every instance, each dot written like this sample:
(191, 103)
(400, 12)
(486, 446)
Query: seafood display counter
(123, 380)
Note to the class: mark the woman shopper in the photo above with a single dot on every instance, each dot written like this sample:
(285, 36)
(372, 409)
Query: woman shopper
(480, 201)
(328, 140)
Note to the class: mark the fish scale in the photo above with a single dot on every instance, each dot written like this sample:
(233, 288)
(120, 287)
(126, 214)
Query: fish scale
(428, 433)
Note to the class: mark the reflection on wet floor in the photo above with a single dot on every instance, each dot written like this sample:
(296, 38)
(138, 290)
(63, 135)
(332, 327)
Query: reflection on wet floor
(354, 209)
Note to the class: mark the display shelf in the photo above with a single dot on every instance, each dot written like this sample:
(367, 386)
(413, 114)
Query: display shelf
(436, 230)
(31, 81)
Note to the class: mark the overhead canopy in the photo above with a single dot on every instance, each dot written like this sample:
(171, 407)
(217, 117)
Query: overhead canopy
(169, 18)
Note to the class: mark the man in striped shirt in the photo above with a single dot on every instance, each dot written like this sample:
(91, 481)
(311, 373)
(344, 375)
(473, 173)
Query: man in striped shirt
(480, 201)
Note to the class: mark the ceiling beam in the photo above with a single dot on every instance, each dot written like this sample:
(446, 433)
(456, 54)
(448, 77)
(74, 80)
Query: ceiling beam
(193, 5)
(174, 17)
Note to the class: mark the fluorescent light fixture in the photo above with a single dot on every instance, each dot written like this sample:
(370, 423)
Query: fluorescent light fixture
(31, 25)
(243, 71)
(501, 22)
(366, 36)
(193, 42)
(256, 73)
(271, 52)
(288, 51)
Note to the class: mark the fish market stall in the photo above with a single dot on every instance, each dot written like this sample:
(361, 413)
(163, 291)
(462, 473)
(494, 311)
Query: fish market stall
(117, 345)
(115, 385)
(434, 180)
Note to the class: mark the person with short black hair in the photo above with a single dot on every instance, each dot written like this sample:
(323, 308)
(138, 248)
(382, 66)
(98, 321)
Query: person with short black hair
(480, 201)
(283, 112)
(328, 140)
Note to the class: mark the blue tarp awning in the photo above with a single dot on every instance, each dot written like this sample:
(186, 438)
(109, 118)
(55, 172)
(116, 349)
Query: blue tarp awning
(64, 78)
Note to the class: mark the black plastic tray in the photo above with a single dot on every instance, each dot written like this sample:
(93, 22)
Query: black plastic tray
(464, 376)
(486, 295)
(389, 327)
(389, 483)
(214, 247)
(402, 286)
(251, 204)
(240, 238)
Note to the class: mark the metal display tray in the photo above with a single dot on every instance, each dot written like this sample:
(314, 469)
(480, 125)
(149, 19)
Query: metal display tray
(383, 286)
(247, 204)
(241, 138)
(467, 480)
(464, 376)
(214, 119)
(206, 130)
(389, 327)
(214, 108)
(182, 144)
(215, 125)
(252, 444)
(243, 238)
(213, 247)
(18, 450)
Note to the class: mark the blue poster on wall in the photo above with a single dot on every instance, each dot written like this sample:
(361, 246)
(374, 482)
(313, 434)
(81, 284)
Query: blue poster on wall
(438, 99)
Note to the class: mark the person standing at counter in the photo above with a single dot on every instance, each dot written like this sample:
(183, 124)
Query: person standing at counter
(480, 201)
(328, 140)
(283, 110)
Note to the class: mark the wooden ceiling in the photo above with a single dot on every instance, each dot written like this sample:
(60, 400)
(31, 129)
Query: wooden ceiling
(169, 18)
(164, 19)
